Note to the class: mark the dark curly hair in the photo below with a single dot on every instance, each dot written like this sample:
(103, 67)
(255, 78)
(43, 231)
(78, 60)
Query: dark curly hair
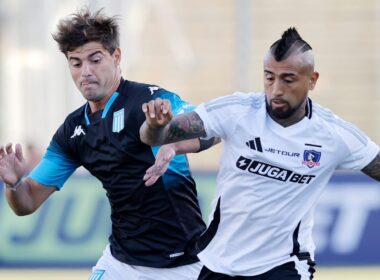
(83, 27)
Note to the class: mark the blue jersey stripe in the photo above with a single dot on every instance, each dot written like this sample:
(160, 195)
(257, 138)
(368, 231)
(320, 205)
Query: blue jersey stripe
(109, 104)
(179, 106)
(55, 167)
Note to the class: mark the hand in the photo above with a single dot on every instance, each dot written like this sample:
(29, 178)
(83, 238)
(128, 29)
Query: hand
(12, 164)
(158, 112)
(164, 155)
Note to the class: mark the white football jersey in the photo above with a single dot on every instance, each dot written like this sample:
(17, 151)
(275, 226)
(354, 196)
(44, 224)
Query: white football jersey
(270, 179)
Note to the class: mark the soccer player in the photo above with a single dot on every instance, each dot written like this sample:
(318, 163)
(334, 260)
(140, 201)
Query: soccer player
(280, 150)
(153, 230)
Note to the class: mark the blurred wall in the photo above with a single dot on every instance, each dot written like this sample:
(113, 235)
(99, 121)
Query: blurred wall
(199, 49)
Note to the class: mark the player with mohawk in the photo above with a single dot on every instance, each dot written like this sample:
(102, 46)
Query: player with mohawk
(280, 150)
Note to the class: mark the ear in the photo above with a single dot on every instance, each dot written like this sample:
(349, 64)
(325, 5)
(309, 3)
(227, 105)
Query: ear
(117, 56)
(313, 80)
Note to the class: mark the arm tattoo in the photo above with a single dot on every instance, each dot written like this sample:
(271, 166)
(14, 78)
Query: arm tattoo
(373, 168)
(186, 126)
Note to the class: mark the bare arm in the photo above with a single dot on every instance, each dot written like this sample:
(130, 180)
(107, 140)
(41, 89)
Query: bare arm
(161, 128)
(373, 168)
(166, 153)
(28, 196)
(24, 195)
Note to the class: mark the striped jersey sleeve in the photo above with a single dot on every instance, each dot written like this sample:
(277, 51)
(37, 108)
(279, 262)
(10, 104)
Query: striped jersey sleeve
(54, 168)
(357, 150)
(220, 115)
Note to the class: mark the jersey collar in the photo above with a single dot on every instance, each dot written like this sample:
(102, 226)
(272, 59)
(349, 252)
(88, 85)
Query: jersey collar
(105, 110)
(108, 105)
(309, 108)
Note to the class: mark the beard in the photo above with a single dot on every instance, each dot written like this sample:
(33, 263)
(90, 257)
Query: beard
(281, 113)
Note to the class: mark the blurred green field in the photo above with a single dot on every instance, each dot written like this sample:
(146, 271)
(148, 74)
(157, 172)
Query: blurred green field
(345, 273)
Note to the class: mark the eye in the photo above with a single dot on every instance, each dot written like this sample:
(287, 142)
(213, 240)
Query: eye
(96, 60)
(269, 78)
(75, 64)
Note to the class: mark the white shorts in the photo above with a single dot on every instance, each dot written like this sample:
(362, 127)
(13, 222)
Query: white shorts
(109, 268)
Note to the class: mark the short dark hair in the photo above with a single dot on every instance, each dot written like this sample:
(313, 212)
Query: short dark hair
(83, 27)
(290, 41)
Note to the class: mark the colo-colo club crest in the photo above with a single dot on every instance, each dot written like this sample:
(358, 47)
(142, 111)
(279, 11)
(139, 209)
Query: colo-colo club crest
(311, 158)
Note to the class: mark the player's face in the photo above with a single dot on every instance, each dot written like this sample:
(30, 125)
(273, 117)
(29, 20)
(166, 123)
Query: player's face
(95, 71)
(286, 85)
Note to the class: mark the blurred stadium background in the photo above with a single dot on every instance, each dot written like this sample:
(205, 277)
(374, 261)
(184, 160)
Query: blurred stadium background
(201, 50)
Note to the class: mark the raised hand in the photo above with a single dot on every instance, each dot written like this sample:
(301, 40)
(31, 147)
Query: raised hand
(158, 112)
(164, 155)
(12, 164)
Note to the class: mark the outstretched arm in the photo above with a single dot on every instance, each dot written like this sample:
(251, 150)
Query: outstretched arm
(24, 195)
(373, 168)
(160, 127)
(166, 153)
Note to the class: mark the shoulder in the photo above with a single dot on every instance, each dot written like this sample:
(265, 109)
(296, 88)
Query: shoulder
(327, 119)
(75, 120)
(326, 116)
(150, 90)
(237, 101)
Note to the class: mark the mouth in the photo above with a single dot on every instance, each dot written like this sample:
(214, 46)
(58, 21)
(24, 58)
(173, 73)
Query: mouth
(85, 84)
(278, 103)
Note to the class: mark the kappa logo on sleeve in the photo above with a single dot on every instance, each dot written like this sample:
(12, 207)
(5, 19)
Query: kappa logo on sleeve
(153, 89)
(78, 131)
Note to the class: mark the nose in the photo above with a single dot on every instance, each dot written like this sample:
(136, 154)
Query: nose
(86, 69)
(277, 88)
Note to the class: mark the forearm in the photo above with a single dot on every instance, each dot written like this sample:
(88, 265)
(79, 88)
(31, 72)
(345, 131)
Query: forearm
(19, 198)
(186, 146)
(194, 145)
(152, 136)
(182, 127)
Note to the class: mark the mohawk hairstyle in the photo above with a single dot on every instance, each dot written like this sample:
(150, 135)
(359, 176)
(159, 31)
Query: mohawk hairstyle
(290, 42)
(83, 27)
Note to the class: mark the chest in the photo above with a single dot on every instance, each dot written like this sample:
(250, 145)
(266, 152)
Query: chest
(298, 154)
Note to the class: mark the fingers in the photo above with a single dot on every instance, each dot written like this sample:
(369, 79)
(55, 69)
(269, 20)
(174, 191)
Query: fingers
(9, 148)
(153, 173)
(157, 108)
(18, 149)
(2, 152)
(150, 176)
(151, 181)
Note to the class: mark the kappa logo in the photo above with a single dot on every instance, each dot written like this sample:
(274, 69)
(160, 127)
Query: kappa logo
(271, 171)
(153, 89)
(78, 131)
(255, 144)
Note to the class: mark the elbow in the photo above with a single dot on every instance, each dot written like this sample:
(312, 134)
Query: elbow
(146, 140)
(23, 211)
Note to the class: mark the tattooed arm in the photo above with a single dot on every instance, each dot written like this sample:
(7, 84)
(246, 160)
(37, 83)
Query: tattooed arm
(160, 127)
(373, 168)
